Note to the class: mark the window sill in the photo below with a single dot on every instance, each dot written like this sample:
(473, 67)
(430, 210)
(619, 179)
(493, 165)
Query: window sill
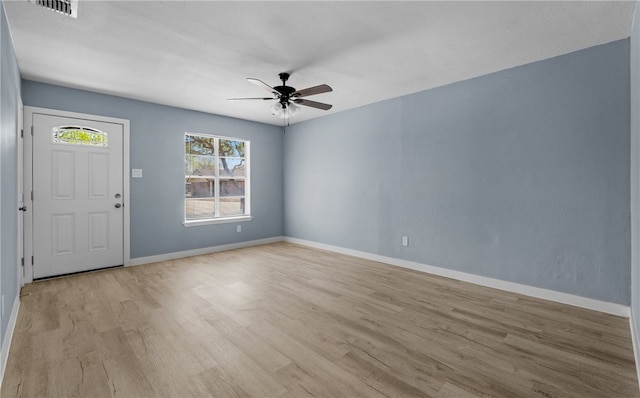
(226, 220)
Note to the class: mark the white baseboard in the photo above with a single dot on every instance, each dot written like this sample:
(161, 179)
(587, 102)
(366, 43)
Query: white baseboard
(6, 344)
(204, 250)
(546, 294)
(635, 341)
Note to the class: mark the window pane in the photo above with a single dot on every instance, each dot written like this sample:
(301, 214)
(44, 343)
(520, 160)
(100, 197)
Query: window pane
(199, 145)
(232, 167)
(201, 165)
(200, 187)
(196, 209)
(231, 188)
(231, 206)
(231, 148)
(75, 135)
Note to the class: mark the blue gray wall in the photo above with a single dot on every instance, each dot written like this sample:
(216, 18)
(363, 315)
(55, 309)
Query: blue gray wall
(635, 167)
(157, 147)
(9, 97)
(521, 175)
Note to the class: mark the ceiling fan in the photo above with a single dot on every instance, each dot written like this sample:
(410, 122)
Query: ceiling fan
(288, 97)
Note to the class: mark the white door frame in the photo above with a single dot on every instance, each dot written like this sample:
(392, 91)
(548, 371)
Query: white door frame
(29, 111)
(20, 171)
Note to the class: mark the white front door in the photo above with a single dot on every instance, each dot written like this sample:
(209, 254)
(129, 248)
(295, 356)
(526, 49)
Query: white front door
(78, 191)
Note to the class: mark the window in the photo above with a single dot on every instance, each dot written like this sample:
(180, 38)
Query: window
(75, 135)
(216, 179)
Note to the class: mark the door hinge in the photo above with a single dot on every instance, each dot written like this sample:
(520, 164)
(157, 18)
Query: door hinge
(31, 260)
(32, 131)
(21, 133)
(22, 261)
(32, 196)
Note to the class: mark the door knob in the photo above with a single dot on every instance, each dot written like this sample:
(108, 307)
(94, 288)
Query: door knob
(118, 205)
(23, 208)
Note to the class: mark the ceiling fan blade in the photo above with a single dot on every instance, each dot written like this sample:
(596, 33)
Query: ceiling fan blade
(254, 98)
(323, 88)
(313, 104)
(264, 85)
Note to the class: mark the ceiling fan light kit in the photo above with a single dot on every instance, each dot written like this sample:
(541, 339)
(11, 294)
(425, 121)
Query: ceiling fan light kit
(284, 111)
(288, 97)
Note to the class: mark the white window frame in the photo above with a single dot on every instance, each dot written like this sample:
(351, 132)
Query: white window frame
(246, 178)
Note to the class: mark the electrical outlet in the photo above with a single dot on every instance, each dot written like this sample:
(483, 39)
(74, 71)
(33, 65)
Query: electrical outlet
(239, 228)
(405, 241)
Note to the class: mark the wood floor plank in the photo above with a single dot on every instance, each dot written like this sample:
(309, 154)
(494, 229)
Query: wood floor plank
(452, 391)
(283, 320)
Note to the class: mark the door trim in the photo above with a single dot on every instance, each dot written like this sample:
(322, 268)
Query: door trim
(20, 199)
(29, 111)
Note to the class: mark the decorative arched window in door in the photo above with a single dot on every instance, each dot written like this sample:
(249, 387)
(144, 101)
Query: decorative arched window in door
(76, 135)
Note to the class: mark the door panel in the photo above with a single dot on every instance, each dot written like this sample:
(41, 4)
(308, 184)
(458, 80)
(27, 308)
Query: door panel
(63, 174)
(77, 183)
(98, 176)
(63, 232)
(98, 231)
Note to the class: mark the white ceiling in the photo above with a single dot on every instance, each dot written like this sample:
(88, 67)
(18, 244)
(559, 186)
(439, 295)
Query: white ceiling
(196, 54)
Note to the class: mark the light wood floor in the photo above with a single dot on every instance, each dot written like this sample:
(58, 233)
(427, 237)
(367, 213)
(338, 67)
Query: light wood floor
(283, 320)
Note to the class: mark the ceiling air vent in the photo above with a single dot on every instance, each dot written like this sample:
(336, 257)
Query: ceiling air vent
(66, 7)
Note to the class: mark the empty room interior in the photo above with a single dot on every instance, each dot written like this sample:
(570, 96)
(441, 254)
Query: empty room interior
(319, 199)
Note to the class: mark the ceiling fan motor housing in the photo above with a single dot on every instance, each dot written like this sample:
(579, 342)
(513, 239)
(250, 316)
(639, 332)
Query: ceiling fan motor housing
(284, 90)
(285, 93)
